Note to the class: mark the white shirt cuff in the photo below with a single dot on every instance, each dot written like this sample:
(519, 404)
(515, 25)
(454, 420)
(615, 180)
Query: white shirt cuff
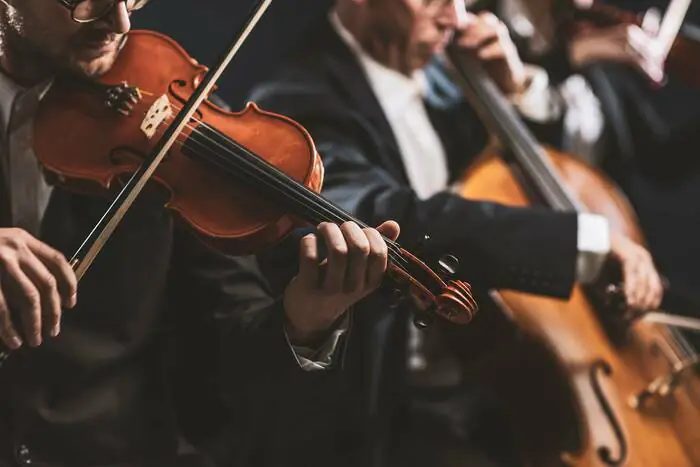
(538, 102)
(322, 358)
(593, 246)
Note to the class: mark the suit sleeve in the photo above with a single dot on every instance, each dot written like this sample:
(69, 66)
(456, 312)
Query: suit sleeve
(259, 380)
(532, 250)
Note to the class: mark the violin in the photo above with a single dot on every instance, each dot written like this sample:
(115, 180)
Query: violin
(682, 47)
(240, 180)
(588, 384)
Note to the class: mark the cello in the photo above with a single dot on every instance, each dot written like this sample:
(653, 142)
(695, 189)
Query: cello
(591, 385)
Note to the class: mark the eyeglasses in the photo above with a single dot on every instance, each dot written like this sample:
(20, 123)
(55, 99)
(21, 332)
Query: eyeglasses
(87, 11)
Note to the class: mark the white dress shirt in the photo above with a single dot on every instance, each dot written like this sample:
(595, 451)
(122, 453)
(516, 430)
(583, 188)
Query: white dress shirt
(401, 98)
(29, 192)
(573, 99)
(423, 154)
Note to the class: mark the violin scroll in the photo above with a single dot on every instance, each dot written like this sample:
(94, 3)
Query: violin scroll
(433, 294)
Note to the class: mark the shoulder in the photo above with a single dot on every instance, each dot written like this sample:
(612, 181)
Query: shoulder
(303, 79)
(296, 78)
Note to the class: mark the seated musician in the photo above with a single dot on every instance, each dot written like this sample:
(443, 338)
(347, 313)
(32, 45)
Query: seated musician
(537, 32)
(392, 140)
(616, 118)
(88, 387)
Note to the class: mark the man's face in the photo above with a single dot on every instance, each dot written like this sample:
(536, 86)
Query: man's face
(419, 29)
(46, 28)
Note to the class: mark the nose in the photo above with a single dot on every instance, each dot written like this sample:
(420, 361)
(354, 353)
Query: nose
(118, 18)
(449, 17)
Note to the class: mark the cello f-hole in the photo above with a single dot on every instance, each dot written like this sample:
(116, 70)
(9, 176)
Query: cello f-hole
(604, 452)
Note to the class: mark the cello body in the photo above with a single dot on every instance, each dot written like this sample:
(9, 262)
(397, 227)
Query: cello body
(569, 386)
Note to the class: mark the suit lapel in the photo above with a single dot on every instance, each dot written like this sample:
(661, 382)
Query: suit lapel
(353, 86)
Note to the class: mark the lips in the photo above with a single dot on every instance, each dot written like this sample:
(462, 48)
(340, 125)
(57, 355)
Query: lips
(97, 39)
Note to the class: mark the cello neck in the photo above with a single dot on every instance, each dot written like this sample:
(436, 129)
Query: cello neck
(504, 123)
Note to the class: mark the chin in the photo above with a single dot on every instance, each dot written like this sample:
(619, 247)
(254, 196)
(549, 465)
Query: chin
(97, 66)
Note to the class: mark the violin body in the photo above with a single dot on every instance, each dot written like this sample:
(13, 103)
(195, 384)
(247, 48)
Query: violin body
(225, 213)
(241, 180)
(569, 389)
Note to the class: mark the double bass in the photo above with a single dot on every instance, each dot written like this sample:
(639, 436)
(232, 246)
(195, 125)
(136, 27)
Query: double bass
(588, 384)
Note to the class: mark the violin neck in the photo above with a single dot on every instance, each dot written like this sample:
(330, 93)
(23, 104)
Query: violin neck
(502, 121)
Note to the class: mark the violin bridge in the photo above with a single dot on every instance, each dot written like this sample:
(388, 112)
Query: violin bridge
(159, 112)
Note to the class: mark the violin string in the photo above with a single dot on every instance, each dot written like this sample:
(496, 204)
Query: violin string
(303, 188)
(330, 211)
(330, 215)
(318, 212)
(321, 212)
(284, 178)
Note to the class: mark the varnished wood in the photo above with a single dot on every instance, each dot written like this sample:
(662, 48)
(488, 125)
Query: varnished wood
(570, 335)
(241, 180)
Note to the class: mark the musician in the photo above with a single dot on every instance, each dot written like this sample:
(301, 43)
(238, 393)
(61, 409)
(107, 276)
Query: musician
(393, 137)
(89, 386)
(536, 32)
(620, 114)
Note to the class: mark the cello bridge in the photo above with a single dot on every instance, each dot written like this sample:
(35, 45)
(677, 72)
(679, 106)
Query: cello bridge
(159, 112)
(664, 385)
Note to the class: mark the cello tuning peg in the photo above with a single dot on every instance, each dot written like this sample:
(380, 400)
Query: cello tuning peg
(448, 266)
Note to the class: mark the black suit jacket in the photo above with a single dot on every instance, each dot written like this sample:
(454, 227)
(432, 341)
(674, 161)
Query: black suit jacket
(323, 87)
(161, 323)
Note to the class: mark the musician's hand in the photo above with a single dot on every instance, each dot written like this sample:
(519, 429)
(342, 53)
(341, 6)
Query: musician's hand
(623, 44)
(489, 39)
(321, 293)
(643, 286)
(35, 281)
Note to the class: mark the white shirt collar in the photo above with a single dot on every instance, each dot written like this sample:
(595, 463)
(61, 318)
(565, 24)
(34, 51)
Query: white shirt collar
(394, 90)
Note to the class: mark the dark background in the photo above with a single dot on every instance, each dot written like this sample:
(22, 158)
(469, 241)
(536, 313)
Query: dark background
(205, 28)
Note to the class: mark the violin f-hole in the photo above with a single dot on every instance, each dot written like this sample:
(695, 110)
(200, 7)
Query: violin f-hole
(172, 90)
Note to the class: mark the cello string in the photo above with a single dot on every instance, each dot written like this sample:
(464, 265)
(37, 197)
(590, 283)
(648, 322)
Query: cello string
(531, 156)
